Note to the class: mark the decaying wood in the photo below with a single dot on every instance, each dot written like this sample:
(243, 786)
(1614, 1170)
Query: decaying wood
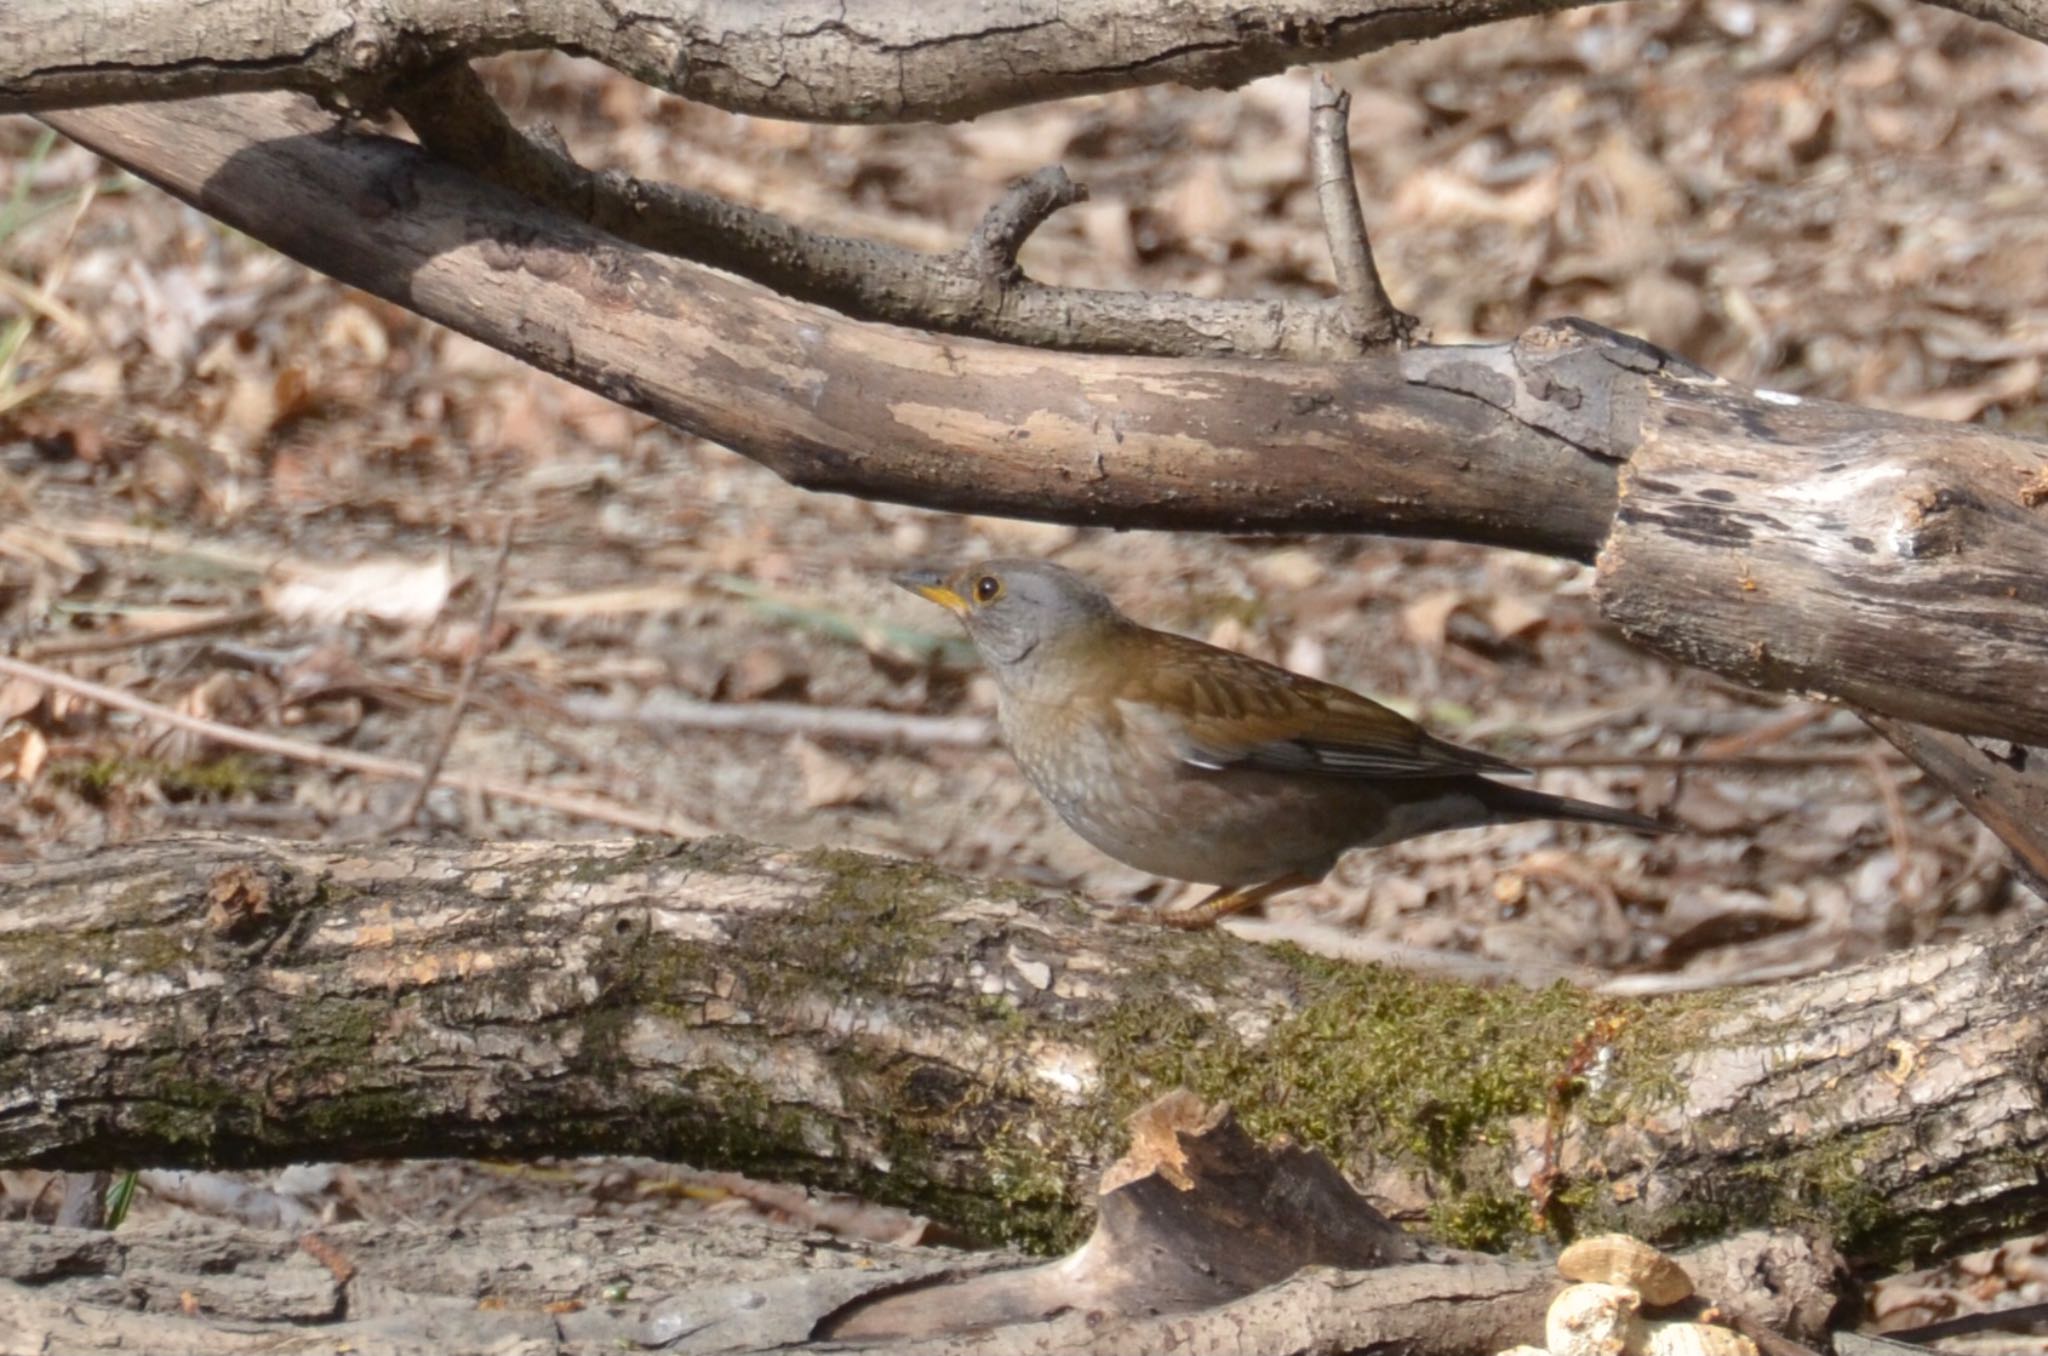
(1205, 1242)
(966, 1049)
(1193, 1216)
(1805, 544)
(721, 1285)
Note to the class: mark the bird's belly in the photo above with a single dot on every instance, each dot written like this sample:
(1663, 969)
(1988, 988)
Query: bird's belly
(1157, 814)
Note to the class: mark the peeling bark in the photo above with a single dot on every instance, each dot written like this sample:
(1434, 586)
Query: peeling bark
(1891, 564)
(968, 1049)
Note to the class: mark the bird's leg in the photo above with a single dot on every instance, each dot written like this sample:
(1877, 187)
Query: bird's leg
(1228, 900)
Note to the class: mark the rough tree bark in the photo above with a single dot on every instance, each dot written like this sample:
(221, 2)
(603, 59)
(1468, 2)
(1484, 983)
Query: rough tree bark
(936, 60)
(967, 1048)
(722, 1287)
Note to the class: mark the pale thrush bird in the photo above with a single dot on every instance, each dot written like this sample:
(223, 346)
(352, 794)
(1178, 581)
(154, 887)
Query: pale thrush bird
(1200, 764)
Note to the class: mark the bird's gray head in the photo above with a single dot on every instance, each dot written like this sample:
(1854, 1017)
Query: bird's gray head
(1012, 608)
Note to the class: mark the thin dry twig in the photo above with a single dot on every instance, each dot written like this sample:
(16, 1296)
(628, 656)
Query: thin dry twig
(1374, 320)
(370, 765)
(417, 801)
(213, 623)
(1895, 819)
(1648, 984)
(968, 291)
(1758, 736)
(853, 725)
(1810, 758)
(1023, 209)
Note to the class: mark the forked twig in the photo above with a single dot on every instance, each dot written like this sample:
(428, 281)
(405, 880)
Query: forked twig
(976, 290)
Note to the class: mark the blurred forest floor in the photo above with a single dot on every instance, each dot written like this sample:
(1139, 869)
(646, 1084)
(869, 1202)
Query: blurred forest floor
(304, 485)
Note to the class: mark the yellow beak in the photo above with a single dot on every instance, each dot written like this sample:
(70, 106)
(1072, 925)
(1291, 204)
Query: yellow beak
(931, 586)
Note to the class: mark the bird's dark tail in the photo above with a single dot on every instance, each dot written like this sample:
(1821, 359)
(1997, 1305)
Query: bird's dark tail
(1519, 802)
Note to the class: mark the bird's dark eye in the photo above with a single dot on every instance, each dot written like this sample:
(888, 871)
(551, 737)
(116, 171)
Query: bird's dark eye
(987, 589)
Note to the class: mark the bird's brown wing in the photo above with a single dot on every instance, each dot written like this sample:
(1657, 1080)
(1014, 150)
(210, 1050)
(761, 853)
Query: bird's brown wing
(1220, 709)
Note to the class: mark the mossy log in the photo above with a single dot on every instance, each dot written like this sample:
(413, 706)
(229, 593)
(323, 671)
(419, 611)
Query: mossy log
(970, 1049)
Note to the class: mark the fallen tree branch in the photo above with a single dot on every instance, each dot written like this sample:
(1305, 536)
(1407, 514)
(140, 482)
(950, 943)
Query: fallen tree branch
(1734, 542)
(812, 59)
(1199, 1232)
(729, 1287)
(833, 405)
(966, 1049)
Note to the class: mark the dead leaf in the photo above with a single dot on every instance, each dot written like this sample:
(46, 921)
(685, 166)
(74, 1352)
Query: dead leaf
(827, 778)
(18, 697)
(1291, 570)
(760, 671)
(1427, 621)
(23, 751)
(354, 332)
(1511, 614)
(405, 592)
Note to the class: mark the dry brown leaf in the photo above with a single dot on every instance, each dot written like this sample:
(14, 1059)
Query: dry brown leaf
(1512, 614)
(23, 751)
(1426, 622)
(760, 671)
(1291, 570)
(406, 592)
(18, 697)
(354, 332)
(828, 779)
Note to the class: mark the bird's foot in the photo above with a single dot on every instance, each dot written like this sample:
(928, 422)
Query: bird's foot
(1215, 907)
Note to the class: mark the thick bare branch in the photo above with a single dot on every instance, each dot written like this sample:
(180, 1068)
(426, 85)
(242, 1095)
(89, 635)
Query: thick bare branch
(883, 412)
(1796, 544)
(810, 59)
